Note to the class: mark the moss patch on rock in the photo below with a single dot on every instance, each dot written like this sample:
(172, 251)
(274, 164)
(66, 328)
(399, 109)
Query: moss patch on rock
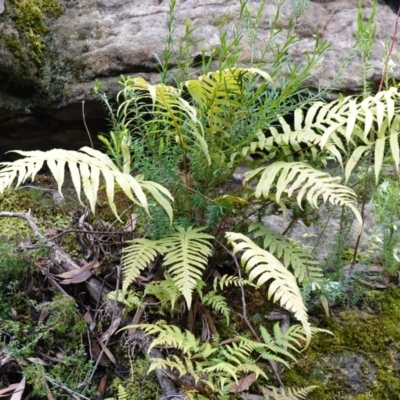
(25, 39)
(30, 20)
(362, 360)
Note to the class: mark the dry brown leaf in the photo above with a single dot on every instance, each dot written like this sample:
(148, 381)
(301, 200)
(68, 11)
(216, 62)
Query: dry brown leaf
(107, 352)
(96, 351)
(14, 314)
(244, 383)
(78, 275)
(43, 315)
(130, 224)
(19, 391)
(8, 389)
(37, 360)
(227, 341)
(112, 328)
(101, 388)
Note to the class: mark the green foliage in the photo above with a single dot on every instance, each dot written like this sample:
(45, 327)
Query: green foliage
(217, 303)
(387, 211)
(215, 365)
(29, 17)
(85, 168)
(263, 267)
(183, 144)
(31, 341)
(293, 255)
(185, 254)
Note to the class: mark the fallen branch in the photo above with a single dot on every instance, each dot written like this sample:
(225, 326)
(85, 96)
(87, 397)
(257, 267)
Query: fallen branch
(61, 262)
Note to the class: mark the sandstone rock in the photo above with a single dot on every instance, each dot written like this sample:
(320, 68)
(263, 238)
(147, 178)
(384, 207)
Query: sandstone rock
(40, 102)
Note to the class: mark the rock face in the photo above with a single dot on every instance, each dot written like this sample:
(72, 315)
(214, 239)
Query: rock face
(41, 92)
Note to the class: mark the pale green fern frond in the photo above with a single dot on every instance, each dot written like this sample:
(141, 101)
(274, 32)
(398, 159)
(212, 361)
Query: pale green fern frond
(218, 95)
(137, 257)
(287, 393)
(217, 303)
(230, 280)
(172, 336)
(185, 256)
(308, 183)
(235, 371)
(129, 299)
(122, 394)
(165, 290)
(292, 254)
(170, 112)
(86, 168)
(263, 267)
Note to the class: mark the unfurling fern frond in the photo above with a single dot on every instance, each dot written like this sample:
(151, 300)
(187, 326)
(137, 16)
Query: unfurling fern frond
(185, 256)
(137, 257)
(292, 254)
(218, 93)
(306, 182)
(86, 167)
(287, 393)
(263, 267)
(170, 113)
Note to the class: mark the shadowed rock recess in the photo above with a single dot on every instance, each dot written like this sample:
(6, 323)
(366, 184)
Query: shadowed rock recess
(45, 77)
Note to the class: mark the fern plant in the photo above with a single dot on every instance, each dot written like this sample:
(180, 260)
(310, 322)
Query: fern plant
(217, 366)
(201, 130)
(86, 167)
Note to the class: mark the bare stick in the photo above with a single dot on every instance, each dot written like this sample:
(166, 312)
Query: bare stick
(84, 121)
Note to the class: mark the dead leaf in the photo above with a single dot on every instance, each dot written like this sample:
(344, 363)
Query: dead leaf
(96, 351)
(102, 386)
(107, 352)
(37, 360)
(78, 275)
(43, 314)
(244, 383)
(8, 389)
(227, 341)
(112, 328)
(19, 391)
(130, 224)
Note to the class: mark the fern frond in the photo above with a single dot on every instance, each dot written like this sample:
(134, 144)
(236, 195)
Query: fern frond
(165, 290)
(220, 98)
(292, 254)
(171, 336)
(217, 303)
(168, 109)
(128, 298)
(85, 167)
(309, 184)
(228, 280)
(288, 393)
(185, 255)
(262, 267)
(137, 257)
(122, 394)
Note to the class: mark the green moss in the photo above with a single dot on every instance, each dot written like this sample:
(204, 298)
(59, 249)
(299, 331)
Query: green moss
(29, 17)
(46, 213)
(140, 386)
(27, 45)
(362, 360)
